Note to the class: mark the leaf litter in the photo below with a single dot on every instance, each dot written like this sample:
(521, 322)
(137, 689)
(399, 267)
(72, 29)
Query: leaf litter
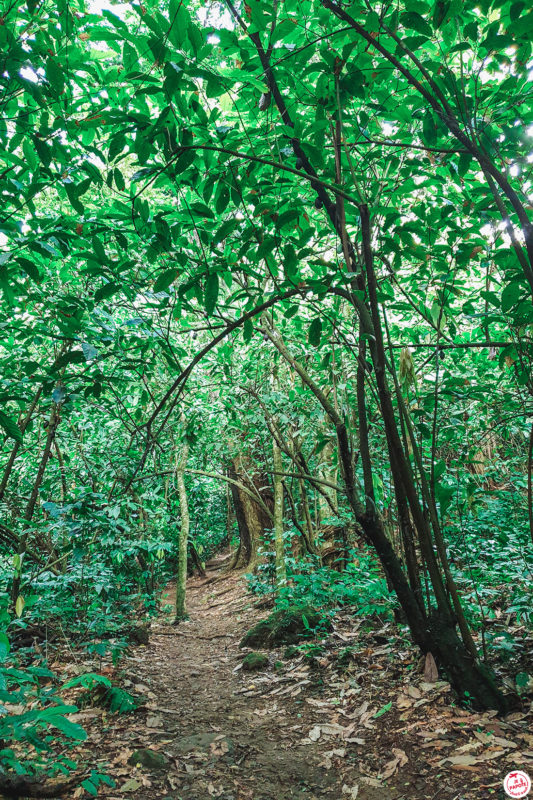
(379, 727)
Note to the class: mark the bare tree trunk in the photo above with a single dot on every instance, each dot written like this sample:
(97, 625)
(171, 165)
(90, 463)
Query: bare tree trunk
(181, 585)
(252, 520)
(229, 513)
(435, 632)
(62, 470)
(327, 471)
(281, 571)
(32, 500)
(16, 447)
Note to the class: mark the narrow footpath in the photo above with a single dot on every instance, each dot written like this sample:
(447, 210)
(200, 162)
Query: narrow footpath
(223, 733)
(360, 718)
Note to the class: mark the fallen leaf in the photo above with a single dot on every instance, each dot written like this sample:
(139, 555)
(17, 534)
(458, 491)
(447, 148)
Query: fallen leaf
(131, 786)
(350, 791)
(332, 729)
(504, 742)
(328, 757)
(314, 733)
(463, 761)
(432, 734)
(220, 748)
(402, 701)
(371, 781)
(399, 760)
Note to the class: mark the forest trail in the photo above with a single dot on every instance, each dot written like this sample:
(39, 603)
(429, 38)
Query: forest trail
(224, 733)
(358, 718)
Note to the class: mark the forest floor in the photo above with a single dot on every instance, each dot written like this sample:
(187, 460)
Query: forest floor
(360, 718)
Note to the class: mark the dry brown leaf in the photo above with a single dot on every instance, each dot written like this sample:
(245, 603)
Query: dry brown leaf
(350, 792)
(466, 748)
(432, 734)
(504, 742)
(399, 760)
(370, 781)
(314, 733)
(318, 703)
(462, 761)
(358, 712)
(328, 757)
(332, 729)
(436, 744)
(466, 767)
(220, 748)
(402, 701)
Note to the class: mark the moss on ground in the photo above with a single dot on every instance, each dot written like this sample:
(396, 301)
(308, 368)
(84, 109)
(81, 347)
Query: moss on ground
(253, 662)
(285, 626)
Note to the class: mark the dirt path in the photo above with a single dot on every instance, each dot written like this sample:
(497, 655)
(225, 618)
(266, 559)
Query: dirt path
(358, 718)
(224, 733)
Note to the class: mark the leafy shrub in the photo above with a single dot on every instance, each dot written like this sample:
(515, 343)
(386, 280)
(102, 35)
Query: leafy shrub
(360, 585)
(29, 709)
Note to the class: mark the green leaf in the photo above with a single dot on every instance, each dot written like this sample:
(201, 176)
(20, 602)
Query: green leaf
(11, 427)
(465, 159)
(410, 19)
(118, 177)
(29, 268)
(247, 330)
(105, 291)
(522, 680)
(382, 710)
(165, 279)
(88, 680)
(55, 75)
(43, 151)
(440, 12)
(429, 129)
(4, 646)
(19, 606)
(70, 729)
(211, 293)
(74, 357)
(222, 198)
(315, 332)
(512, 293)
(89, 351)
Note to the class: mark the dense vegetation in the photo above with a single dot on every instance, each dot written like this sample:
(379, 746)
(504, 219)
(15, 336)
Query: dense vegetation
(266, 274)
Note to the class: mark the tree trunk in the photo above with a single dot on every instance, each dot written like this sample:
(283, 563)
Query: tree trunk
(281, 572)
(53, 422)
(252, 520)
(181, 585)
(435, 633)
(327, 471)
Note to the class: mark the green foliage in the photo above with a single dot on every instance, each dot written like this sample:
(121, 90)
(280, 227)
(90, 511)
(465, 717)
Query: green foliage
(32, 714)
(101, 692)
(360, 584)
(492, 557)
